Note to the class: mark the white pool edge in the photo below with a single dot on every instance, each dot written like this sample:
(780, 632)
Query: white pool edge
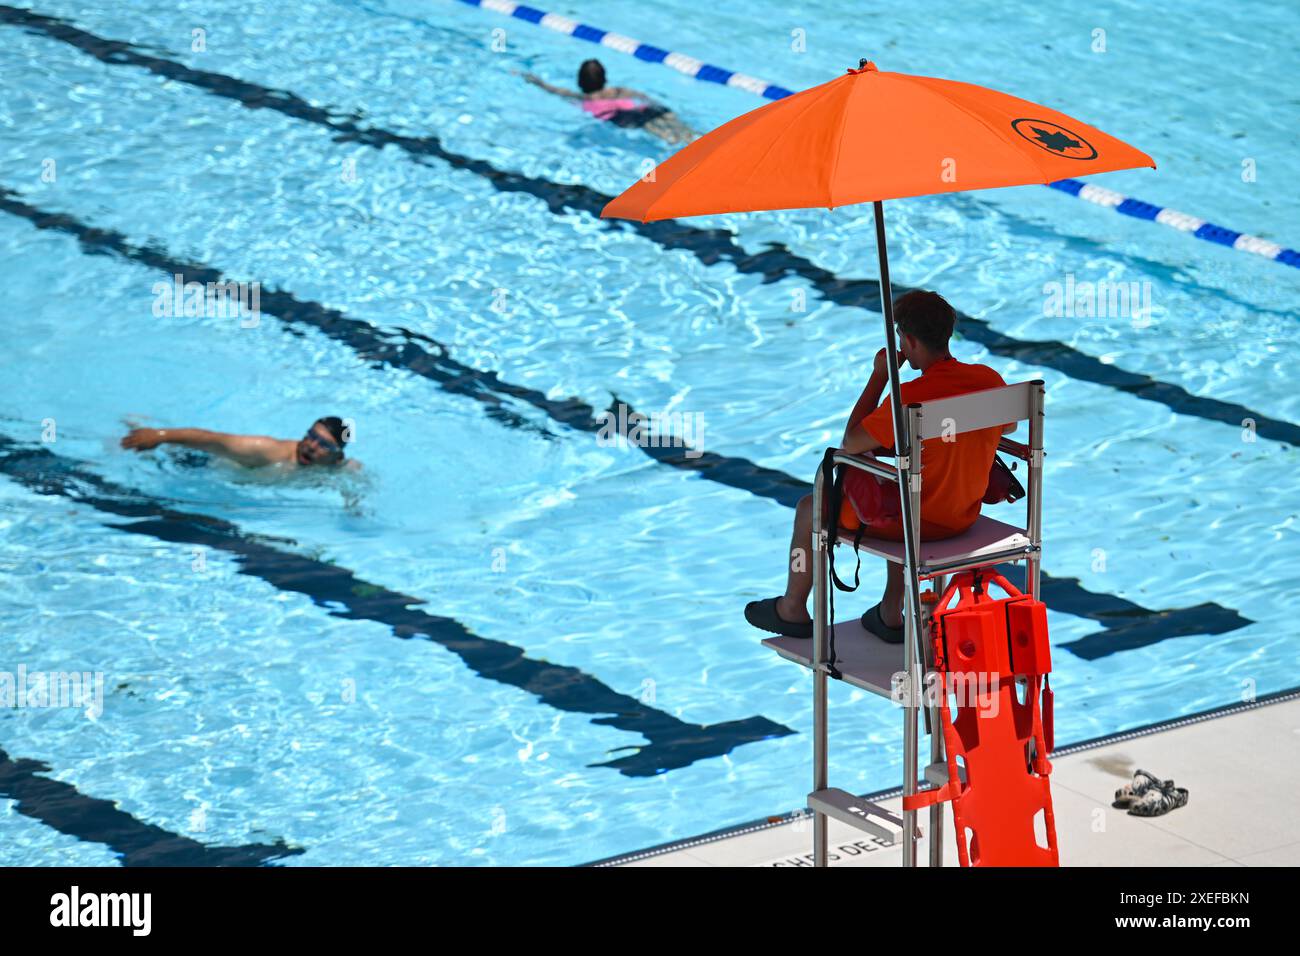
(878, 796)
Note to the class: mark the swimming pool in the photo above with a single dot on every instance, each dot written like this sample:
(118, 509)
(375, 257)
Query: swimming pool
(576, 679)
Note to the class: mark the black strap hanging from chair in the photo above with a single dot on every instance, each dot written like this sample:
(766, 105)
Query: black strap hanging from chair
(832, 499)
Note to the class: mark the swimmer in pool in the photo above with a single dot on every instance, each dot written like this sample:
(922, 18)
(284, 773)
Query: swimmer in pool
(620, 105)
(322, 445)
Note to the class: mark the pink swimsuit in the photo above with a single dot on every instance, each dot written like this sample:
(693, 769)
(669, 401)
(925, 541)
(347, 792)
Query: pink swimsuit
(604, 109)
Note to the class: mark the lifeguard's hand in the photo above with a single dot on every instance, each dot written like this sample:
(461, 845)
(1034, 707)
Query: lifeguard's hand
(142, 439)
(881, 364)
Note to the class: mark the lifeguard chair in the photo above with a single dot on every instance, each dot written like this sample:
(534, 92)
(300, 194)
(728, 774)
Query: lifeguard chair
(862, 659)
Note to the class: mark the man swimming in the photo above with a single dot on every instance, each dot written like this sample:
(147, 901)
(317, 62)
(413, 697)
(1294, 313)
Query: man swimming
(322, 445)
(620, 105)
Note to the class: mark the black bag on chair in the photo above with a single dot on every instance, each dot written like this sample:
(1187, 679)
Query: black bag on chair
(1003, 485)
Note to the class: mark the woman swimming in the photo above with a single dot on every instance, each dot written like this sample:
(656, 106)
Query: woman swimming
(620, 105)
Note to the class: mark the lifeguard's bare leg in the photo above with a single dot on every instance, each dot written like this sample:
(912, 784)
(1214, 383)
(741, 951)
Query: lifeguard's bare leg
(891, 602)
(793, 605)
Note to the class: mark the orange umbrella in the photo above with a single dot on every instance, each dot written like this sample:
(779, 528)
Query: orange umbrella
(868, 136)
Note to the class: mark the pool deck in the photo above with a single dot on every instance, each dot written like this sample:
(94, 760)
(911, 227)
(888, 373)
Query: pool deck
(1241, 771)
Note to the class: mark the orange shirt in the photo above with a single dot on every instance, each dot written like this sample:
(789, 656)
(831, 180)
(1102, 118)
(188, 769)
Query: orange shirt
(955, 473)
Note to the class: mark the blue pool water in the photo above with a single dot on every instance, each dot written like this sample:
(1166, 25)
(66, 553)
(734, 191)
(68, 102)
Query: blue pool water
(579, 601)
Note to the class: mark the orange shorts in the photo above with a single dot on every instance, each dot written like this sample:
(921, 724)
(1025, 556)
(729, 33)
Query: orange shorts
(872, 504)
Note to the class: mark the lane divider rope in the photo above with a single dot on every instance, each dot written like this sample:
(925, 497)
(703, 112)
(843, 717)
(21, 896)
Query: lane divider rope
(642, 51)
(1127, 205)
(1181, 221)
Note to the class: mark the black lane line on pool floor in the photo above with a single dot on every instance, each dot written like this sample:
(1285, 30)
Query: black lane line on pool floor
(673, 743)
(1128, 625)
(62, 807)
(709, 246)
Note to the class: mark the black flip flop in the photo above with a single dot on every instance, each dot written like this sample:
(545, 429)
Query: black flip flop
(1158, 801)
(762, 614)
(874, 625)
(1143, 781)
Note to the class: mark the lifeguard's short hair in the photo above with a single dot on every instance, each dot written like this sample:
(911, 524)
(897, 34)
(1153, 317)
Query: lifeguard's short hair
(926, 316)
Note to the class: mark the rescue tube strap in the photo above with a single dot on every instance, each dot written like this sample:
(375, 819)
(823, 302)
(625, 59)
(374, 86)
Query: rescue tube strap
(926, 798)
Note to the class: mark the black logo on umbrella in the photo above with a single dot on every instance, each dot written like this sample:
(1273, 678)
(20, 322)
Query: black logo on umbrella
(1054, 138)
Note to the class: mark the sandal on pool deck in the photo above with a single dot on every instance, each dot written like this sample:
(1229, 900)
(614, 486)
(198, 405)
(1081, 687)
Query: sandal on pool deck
(762, 614)
(1158, 801)
(874, 625)
(1143, 781)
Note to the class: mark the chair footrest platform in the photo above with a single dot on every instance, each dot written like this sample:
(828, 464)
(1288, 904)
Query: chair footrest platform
(863, 659)
(856, 812)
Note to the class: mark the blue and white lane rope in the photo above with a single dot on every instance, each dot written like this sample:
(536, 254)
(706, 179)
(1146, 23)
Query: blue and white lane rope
(642, 51)
(1178, 220)
(700, 70)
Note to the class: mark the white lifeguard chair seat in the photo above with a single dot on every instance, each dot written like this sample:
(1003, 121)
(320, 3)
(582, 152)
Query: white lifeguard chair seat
(986, 537)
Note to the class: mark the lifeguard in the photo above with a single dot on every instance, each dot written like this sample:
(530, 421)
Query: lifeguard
(956, 469)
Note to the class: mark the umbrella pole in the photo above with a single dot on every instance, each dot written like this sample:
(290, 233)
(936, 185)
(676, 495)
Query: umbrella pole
(821, 653)
(908, 479)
